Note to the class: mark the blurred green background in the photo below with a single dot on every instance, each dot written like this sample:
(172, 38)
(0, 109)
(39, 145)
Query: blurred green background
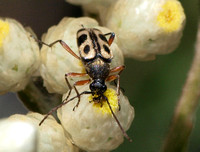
(153, 87)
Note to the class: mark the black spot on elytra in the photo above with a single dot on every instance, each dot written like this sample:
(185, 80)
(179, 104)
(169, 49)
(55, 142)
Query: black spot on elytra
(82, 39)
(86, 49)
(102, 37)
(106, 49)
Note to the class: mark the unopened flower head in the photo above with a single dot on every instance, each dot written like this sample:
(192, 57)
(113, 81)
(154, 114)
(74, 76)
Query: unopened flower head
(17, 136)
(56, 61)
(19, 56)
(51, 136)
(92, 126)
(146, 28)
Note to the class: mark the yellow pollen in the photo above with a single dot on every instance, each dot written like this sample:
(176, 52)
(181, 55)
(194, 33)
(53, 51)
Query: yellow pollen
(4, 30)
(82, 66)
(102, 106)
(171, 16)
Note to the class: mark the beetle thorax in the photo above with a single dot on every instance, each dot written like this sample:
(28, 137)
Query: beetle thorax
(97, 69)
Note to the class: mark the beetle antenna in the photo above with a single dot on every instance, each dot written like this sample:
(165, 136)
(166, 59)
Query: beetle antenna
(60, 105)
(120, 126)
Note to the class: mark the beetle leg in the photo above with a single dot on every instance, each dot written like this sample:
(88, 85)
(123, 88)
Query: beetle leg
(112, 78)
(79, 83)
(60, 105)
(115, 83)
(111, 38)
(64, 45)
(67, 81)
(118, 69)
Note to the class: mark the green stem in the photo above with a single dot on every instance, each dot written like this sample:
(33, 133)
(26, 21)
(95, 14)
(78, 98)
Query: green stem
(183, 120)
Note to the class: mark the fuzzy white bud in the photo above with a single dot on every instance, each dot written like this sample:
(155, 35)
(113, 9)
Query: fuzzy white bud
(19, 56)
(50, 135)
(92, 126)
(146, 28)
(17, 136)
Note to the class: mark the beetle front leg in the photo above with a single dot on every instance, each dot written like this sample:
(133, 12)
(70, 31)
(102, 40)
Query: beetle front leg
(112, 78)
(111, 38)
(63, 44)
(67, 81)
(79, 83)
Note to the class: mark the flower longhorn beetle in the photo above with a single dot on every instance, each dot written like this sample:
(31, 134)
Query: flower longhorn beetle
(96, 56)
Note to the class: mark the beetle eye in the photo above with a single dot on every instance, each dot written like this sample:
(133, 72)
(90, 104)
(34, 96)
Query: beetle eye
(104, 88)
(92, 87)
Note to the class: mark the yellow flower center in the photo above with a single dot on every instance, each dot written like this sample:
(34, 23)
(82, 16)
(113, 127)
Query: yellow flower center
(171, 16)
(102, 106)
(4, 30)
(82, 66)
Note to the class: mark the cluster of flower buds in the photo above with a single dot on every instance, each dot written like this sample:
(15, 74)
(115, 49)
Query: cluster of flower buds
(143, 28)
(55, 62)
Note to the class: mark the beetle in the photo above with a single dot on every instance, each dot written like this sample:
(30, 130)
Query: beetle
(96, 56)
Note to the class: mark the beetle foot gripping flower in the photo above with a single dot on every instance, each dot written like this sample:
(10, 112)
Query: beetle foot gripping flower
(50, 135)
(146, 28)
(92, 126)
(19, 56)
(56, 61)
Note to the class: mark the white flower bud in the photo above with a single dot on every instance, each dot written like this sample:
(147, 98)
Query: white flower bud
(17, 136)
(146, 28)
(51, 135)
(92, 126)
(56, 61)
(19, 56)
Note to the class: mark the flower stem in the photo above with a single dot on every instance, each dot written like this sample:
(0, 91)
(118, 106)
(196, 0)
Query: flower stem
(183, 120)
